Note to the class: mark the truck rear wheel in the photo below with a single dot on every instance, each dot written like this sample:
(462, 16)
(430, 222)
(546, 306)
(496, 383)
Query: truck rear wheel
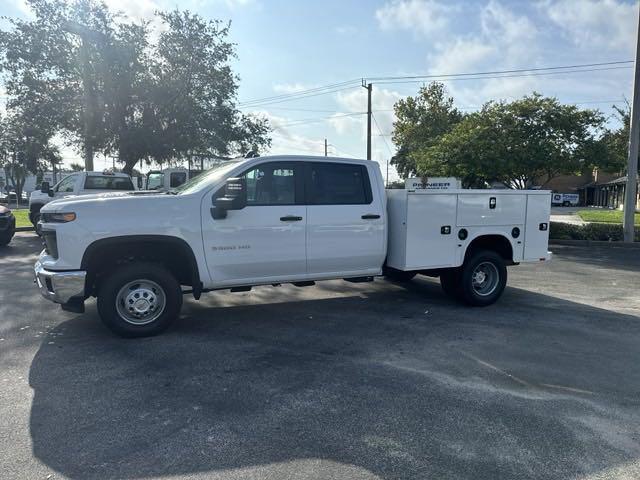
(483, 278)
(139, 300)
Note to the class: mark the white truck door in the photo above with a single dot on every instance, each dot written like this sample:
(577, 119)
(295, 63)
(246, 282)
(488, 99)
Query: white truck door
(345, 225)
(536, 236)
(265, 241)
(431, 231)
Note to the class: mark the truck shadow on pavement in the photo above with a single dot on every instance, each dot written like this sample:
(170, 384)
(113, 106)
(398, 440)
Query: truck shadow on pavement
(386, 383)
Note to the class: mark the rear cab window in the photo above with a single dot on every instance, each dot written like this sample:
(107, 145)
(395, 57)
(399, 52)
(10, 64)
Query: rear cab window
(96, 182)
(338, 184)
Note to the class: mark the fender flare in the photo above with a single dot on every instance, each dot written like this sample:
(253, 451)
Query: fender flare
(95, 247)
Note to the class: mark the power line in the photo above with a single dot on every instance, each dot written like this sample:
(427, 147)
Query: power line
(497, 72)
(492, 77)
(381, 134)
(297, 96)
(305, 121)
(485, 75)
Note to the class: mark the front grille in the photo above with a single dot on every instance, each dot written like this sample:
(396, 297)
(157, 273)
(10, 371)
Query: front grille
(50, 242)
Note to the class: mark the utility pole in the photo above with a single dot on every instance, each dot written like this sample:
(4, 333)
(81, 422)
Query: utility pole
(368, 86)
(632, 165)
(325, 147)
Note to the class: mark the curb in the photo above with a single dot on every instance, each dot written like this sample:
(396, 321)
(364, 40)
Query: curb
(594, 243)
(25, 229)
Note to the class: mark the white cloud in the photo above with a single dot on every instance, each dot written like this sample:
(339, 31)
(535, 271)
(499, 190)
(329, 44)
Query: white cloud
(596, 23)
(291, 87)
(424, 17)
(135, 10)
(499, 39)
(461, 55)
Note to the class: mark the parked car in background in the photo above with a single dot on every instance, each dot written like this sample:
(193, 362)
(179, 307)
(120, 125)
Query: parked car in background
(7, 226)
(76, 184)
(565, 199)
(281, 219)
(164, 180)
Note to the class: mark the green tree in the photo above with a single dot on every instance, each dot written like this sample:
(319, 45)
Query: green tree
(420, 123)
(516, 143)
(615, 143)
(107, 87)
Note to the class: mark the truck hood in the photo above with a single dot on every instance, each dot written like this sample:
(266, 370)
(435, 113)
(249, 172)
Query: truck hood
(118, 200)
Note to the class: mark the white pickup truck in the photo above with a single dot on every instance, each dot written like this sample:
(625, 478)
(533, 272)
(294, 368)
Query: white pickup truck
(280, 219)
(79, 183)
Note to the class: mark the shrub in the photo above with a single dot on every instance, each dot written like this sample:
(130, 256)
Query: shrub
(607, 232)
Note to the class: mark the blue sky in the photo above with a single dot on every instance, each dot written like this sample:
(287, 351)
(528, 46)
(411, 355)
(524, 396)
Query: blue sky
(288, 46)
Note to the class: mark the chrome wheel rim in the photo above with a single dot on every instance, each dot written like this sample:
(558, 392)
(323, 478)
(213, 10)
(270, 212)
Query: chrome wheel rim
(140, 302)
(485, 279)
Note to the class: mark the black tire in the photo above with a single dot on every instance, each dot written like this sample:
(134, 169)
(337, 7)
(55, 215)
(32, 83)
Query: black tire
(486, 264)
(34, 217)
(147, 274)
(398, 275)
(5, 237)
(450, 283)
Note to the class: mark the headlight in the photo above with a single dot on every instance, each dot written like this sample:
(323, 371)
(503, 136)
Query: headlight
(58, 217)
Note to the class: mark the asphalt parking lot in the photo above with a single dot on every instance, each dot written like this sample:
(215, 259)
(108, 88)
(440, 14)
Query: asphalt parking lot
(335, 381)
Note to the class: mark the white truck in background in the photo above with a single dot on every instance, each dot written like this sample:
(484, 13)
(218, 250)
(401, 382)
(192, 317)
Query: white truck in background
(77, 184)
(169, 178)
(565, 199)
(280, 219)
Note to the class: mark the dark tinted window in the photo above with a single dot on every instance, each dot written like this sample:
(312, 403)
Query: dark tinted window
(177, 178)
(339, 184)
(108, 183)
(271, 184)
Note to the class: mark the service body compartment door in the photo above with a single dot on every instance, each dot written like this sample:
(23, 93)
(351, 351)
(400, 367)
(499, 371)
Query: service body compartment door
(491, 209)
(431, 222)
(537, 227)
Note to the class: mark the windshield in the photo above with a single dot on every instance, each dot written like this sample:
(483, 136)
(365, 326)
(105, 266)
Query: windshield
(210, 176)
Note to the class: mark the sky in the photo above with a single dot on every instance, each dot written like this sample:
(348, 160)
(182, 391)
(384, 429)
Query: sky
(291, 46)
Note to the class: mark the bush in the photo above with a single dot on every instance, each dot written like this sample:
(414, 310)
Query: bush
(607, 232)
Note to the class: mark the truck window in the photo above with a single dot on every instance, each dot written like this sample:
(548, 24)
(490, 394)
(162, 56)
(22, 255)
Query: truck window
(108, 183)
(271, 184)
(66, 184)
(177, 178)
(338, 184)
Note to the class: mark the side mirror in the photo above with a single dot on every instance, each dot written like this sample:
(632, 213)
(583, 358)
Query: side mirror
(46, 188)
(235, 198)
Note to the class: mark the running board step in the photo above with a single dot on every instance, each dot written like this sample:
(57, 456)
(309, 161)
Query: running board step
(304, 284)
(240, 289)
(358, 279)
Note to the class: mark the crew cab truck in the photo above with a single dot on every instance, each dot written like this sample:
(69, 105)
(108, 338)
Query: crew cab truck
(273, 220)
(79, 183)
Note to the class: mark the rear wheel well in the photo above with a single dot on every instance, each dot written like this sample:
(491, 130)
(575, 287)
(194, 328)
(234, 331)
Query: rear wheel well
(496, 243)
(174, 254)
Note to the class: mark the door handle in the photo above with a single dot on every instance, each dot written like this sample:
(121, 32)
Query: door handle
(370, 216)
(290, 218)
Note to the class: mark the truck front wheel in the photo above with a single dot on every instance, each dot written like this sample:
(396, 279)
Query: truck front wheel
(139, 300)
(483, 278)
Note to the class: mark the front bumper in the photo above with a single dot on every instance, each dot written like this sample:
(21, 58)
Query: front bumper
(60, 287)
